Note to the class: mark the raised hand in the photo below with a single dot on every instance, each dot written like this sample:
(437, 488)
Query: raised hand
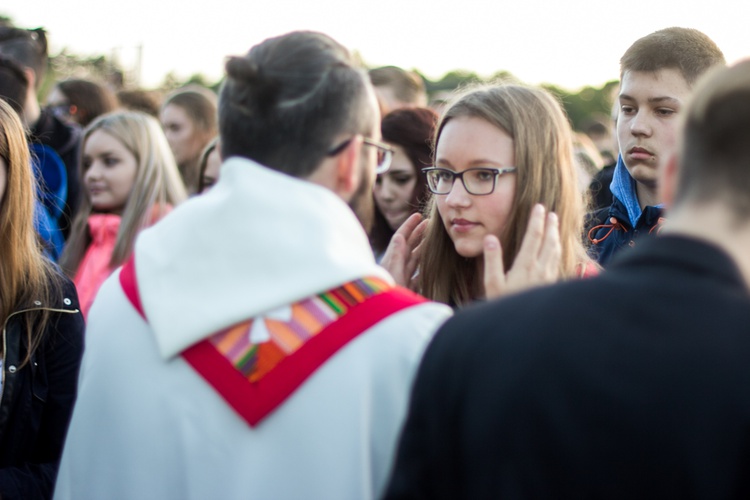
(537, 262)
(402, 256)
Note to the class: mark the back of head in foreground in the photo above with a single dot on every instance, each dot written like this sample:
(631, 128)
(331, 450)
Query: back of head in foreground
(289, 99)
(707, 187)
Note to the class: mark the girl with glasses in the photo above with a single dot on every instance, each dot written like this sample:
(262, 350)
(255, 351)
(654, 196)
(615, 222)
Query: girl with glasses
(504, 198)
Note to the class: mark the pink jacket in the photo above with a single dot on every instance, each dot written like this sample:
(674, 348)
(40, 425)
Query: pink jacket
(94, 267)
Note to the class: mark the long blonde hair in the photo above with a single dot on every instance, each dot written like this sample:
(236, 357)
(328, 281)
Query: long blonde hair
(546, 174)
(25, 273)
(157, 185)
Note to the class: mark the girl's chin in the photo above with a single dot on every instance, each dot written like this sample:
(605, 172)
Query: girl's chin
(396, 223)
(468, 250)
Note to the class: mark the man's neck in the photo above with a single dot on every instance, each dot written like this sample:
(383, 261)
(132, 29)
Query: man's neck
(647, 195)
(716, 224)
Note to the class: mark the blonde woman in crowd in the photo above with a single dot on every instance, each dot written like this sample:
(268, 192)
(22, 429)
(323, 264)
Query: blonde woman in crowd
(130, 181)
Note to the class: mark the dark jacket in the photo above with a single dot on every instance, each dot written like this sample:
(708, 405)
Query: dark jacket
(65, 139)
(557, 394)
(607, 236)
(37, 398)
(610, 229)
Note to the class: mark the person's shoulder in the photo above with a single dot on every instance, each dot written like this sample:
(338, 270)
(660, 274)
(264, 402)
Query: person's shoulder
(417, 322)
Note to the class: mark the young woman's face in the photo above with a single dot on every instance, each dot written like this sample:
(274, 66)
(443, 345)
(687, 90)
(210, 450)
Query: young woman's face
(468, 142)
(109, 171)
(394, 189)
(185, 138)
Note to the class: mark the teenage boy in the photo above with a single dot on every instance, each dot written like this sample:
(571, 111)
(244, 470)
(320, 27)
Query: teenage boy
(657, 74)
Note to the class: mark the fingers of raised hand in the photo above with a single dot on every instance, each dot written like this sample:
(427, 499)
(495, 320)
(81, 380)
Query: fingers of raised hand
(494, 271)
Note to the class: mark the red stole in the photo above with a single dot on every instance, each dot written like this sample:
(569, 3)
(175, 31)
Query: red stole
(256, 377)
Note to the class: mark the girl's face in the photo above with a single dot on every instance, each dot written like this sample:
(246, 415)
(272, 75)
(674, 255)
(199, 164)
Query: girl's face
(184, 137)
(469, 142)
(109, 171)
(394, 189)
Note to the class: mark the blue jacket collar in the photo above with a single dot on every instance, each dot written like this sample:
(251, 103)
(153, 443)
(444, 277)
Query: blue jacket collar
(623, 188)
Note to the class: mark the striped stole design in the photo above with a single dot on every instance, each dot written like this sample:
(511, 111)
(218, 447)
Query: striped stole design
(308, 318)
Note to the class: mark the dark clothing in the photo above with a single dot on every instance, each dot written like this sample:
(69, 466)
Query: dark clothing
(65, 139)
(610, 236)
(601, 196)
(37, 398)
(555, 394)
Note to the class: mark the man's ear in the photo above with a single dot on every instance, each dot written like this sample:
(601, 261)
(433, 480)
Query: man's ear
(347, 169)
(668, 178)
(31, 77)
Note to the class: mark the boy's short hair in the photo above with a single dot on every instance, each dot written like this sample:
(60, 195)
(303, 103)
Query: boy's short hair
(407, 86)
(687, 50)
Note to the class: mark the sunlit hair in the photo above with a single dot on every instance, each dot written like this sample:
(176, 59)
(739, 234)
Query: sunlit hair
(408, 87)
(546, 174)
(687, 50)
(26, 275)
(157, 185)
(715, 152)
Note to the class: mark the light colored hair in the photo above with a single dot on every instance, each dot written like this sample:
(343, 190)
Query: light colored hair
(25, 273)
(156, 188)
(546, 174)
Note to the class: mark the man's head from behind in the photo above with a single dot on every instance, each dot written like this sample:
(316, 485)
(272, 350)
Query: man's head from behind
(299, 104)
(657, 74)
(289, 101)
(715, 154)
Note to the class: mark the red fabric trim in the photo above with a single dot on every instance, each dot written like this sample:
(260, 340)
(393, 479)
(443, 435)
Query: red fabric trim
(129, 285)
(254, 401)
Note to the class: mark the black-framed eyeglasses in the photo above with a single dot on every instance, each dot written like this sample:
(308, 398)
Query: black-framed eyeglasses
(385, 152)
(476, 181)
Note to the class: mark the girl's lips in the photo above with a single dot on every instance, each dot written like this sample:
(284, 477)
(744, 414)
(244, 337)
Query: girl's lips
(463, 225)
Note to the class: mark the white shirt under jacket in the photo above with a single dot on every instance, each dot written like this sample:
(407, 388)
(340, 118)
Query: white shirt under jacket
(147, 426)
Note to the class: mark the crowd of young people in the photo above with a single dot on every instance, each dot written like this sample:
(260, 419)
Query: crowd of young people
(261, 276)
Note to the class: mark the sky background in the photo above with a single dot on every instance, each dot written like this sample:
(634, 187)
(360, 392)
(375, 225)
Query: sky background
(569, 43)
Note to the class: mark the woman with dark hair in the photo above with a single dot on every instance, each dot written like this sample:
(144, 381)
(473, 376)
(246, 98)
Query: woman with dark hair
(402, 190)
(41, 343)
(81, 101)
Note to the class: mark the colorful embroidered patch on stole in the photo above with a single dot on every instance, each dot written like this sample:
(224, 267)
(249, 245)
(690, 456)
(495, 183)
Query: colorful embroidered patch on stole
(254, 354)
